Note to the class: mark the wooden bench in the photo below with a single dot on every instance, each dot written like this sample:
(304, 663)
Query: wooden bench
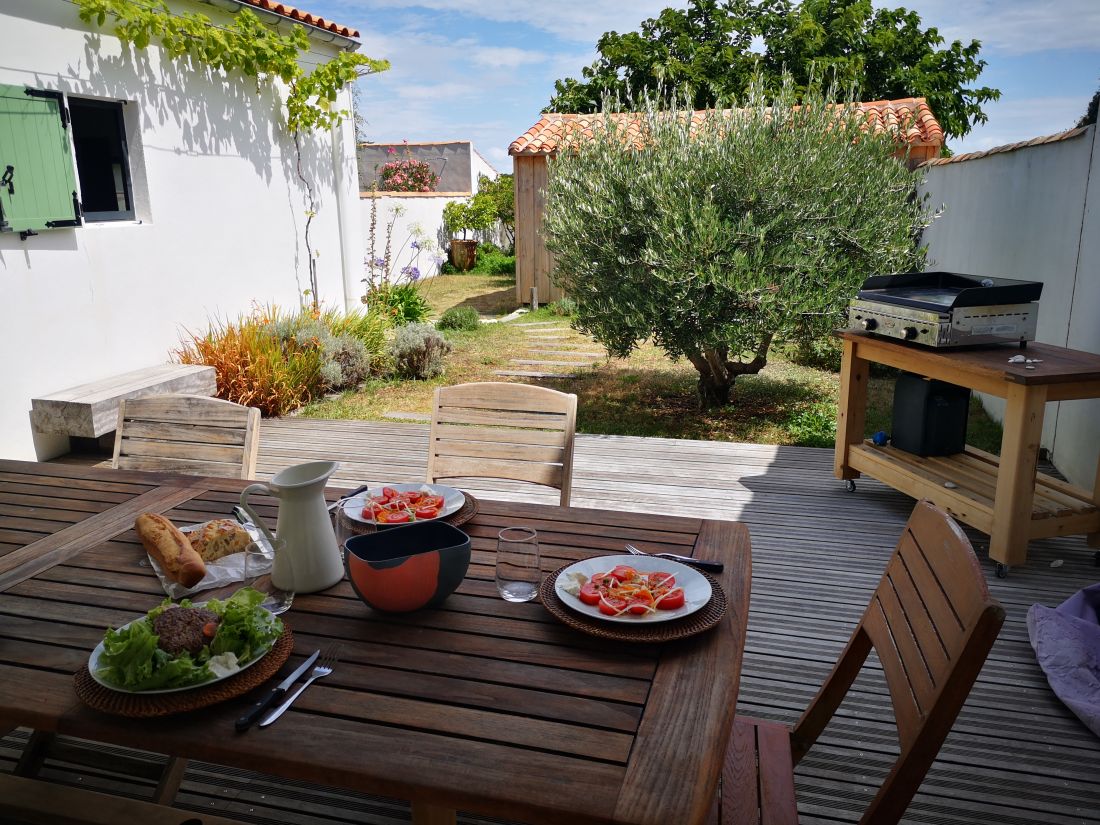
(91, 410)
(34, 802)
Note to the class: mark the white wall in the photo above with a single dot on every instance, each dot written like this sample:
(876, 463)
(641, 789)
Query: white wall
(221, 213)
(1034, 214)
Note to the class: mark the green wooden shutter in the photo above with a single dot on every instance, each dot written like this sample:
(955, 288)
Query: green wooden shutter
(40, 189)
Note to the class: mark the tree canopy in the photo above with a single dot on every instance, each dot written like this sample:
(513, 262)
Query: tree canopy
(706, 52)
(730, 232)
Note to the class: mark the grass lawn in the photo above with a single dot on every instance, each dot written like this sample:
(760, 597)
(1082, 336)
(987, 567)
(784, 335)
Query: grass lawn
(646, 394)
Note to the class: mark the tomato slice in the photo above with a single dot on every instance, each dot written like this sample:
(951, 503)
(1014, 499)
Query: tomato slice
(641, 602)
(394, 517)
(590, 593)
(426, 512)
(388, 493)
(611, 605)
(673, 601)
(432, 501)
(624, 573)
(412, 496)
(658, 579)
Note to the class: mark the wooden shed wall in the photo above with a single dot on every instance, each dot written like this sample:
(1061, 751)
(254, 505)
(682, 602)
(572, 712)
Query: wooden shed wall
(533, 260)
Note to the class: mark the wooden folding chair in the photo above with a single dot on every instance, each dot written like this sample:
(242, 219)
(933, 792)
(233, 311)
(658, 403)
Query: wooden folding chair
(502, 430)
(932, 623)
(191, 434)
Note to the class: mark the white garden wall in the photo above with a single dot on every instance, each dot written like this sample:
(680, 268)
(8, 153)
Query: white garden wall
(220, 214)
(1033, 213)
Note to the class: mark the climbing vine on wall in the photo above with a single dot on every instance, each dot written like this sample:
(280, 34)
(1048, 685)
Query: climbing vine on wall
(251, 48)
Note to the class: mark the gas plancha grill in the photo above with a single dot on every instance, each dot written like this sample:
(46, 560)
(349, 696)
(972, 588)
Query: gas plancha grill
(945, 309)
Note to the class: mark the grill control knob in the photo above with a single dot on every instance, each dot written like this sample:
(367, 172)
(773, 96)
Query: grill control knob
(869, 324)
(910, 333)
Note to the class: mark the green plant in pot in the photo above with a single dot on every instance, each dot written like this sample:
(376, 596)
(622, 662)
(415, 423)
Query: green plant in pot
(477, 215)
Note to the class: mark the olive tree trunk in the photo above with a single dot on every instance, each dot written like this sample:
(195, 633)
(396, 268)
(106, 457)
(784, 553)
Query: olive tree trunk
(717, 373)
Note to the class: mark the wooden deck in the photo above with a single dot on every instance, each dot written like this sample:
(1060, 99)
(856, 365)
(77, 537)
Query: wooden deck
(1016, 756)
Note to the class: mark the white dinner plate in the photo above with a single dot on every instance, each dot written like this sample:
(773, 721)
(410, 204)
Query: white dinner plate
(697, 590)
(452, 499)
(93, 666)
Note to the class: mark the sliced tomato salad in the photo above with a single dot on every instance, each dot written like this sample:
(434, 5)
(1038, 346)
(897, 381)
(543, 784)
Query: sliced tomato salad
(394, 507)
(624, 590)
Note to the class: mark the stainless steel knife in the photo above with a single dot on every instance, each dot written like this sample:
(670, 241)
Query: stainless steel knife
(276, 694)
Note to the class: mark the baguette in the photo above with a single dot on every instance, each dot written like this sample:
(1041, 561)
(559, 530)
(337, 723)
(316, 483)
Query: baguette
(171, 549)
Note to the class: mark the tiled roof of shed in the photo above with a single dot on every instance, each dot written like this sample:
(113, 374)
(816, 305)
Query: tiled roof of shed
(284, 10)
(909, 118)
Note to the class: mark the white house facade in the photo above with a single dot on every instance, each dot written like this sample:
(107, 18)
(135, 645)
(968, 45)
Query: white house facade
(148, 197)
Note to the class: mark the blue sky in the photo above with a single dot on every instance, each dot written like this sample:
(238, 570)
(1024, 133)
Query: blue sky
(483, 69)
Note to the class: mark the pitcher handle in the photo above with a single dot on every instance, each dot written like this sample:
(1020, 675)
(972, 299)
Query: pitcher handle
(252, 514)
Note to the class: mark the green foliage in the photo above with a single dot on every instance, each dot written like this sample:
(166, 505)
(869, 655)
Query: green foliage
(473, 215)
(491, 260)
(418, 351)
(463, 318)
(814, 426)
(819, 351)
(706, 52)
(500, 193)
(1090, 111)
(716, 239)
(564, 307)
(245, 45)
(403, 303)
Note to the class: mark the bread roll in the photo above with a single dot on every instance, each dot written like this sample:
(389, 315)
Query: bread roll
(220, 537)
(173, 552)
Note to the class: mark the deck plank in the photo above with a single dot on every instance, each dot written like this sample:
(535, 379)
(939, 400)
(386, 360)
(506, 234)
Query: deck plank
(1015, 756)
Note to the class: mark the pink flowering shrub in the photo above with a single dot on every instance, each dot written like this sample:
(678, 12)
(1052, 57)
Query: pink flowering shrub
(407, 175)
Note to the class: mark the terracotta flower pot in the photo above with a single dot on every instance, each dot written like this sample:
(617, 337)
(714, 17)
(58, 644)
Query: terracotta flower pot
(463, 254)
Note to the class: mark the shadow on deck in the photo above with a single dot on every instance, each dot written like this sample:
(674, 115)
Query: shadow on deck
(1016, 756)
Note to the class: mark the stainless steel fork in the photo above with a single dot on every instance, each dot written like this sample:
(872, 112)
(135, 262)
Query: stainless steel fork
(702, 564)
(323, 668)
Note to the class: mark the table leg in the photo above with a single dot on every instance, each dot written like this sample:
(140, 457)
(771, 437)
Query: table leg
(852, 409)
(425, 814)
(1023, 428)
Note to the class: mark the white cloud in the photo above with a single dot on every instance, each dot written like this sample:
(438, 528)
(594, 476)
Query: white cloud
(504, 57)
(578, 20)
(1012, 26)
(1013, 121)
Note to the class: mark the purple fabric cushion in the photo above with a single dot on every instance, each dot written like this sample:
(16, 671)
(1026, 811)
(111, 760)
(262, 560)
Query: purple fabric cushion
(1067, 645)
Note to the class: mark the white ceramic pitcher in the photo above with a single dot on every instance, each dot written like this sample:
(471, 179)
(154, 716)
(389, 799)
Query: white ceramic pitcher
(310, 558)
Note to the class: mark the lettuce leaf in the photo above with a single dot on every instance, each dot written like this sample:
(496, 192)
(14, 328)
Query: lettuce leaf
(132, 660)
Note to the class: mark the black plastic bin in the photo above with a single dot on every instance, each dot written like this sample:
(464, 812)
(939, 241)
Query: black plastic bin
(929, 416)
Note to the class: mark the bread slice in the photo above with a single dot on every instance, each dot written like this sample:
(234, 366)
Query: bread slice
(221, 537)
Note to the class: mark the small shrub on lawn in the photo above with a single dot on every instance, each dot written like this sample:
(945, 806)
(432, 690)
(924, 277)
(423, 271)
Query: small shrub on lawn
(463, 318)
(418, 351)
(814, 427)
(403, 302)
(564, 307)
(822, 353)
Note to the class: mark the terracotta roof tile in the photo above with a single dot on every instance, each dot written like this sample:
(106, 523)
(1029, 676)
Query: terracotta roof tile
(909, 118)
(288, 11)
(1010, 147)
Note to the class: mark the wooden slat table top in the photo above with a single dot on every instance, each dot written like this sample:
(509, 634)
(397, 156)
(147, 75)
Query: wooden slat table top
(480, 705)
(1059, 365)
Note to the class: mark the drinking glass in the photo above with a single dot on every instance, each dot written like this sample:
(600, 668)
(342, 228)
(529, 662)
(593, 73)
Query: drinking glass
(258, 561)
(518, 570)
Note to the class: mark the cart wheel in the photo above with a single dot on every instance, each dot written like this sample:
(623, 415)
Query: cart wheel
(850, 486)
(1002, 570)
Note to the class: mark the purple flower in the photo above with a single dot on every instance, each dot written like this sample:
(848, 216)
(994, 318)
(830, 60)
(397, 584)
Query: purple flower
(411, 272)
(380, 263)
(415, 244)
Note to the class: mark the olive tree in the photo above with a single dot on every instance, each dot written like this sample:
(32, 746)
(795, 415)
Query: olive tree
(719, 235)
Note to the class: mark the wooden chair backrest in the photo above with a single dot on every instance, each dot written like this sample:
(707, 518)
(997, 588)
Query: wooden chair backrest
(501, 430)
(191, 434)
(932, 623)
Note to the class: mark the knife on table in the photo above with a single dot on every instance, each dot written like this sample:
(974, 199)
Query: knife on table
(276, 695)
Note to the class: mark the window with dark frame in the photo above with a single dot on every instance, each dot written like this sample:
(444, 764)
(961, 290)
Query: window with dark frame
(102, 164)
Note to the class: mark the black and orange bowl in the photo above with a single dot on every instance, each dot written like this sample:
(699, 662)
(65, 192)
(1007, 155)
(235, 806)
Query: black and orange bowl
(409, 567)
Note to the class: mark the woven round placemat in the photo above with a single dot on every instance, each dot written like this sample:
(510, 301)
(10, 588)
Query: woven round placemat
(137, 705)
(351, 527)
(700, 621)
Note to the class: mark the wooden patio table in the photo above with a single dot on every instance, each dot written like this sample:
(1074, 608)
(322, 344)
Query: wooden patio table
(480, 705)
